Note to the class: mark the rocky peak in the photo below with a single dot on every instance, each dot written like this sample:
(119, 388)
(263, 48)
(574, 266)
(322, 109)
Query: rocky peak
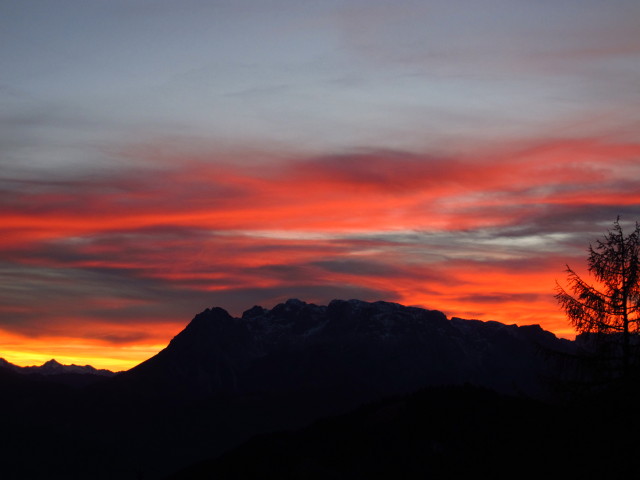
(375, 346)
(52, 367)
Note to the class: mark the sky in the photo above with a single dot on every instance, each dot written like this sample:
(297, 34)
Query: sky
(162, 157)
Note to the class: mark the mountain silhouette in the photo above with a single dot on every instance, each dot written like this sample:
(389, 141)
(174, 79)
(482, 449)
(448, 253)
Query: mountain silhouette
(223, 380)
(55, 372)
(366, 348)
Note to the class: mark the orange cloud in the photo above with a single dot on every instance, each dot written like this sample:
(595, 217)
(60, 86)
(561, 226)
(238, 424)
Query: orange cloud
(90, 262)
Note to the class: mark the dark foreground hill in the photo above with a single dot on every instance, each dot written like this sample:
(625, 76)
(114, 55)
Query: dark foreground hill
(440, 432)
(223, 380)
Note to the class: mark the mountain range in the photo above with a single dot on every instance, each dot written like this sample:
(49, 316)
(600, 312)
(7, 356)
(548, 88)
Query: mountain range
(52, 367)
(223, 380)
(375, 348)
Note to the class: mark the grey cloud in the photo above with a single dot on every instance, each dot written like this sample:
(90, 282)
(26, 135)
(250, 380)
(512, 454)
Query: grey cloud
(491, 298)
(360, 267)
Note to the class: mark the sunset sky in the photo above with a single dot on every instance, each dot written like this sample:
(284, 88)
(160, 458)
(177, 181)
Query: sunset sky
(161, 157)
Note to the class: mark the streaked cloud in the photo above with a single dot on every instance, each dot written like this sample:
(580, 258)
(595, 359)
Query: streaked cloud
(159, 158)
(477, 236)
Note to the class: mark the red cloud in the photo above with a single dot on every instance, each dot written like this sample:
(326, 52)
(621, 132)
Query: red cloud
(125, 245)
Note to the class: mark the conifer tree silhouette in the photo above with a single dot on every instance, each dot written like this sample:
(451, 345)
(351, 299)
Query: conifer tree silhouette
(609, 312)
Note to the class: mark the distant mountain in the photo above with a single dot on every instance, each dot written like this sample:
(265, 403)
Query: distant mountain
(52, 367)
(53, 372)
(8, 366)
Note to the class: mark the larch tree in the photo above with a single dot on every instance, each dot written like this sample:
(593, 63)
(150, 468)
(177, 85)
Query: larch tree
(611, 308)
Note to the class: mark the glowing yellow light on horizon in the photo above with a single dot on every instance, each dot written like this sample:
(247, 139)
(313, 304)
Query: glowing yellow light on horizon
(70, 351)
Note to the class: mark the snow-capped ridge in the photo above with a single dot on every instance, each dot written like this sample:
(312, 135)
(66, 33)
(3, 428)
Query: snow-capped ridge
(374, 346)
(295, 318)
